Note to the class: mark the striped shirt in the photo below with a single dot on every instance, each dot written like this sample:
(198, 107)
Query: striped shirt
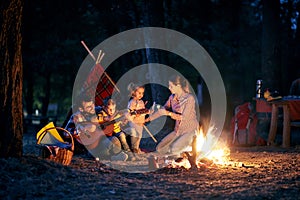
(104, 117)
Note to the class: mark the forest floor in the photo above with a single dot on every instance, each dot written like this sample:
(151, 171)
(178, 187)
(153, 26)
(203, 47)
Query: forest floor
(262, 172)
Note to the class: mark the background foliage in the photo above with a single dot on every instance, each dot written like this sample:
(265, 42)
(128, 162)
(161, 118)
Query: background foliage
(231, 32)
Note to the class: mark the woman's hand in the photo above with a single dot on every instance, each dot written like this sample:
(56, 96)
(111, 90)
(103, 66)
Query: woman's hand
(175, 116)
(163, 111)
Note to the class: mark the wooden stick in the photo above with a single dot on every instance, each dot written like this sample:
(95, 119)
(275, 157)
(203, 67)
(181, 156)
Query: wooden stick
(91, 54)
(101, 57)
(97, 61)
(112, 82)
(150, 134)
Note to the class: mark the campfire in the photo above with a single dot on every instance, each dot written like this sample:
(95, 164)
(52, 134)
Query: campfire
(206, 151)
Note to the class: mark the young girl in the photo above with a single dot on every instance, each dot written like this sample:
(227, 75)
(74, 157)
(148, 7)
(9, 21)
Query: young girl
(136, 122)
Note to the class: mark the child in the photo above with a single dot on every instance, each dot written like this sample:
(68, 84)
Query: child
(136, 122)
(83, 125)
(110, 121)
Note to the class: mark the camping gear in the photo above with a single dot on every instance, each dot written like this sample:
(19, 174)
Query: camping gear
(243, 125)
(54, 147)
(98, 77)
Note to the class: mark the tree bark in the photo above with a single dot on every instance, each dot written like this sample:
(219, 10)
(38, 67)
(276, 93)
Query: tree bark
(11, 79)
(271, 45)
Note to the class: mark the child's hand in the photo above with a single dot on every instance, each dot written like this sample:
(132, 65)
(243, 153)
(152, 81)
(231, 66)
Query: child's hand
(106, 118)
(151, 111)
(124, 122)
(147, 120)
(128, 116)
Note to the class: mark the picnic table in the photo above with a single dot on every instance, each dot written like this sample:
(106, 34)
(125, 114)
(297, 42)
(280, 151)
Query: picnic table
(291, 117)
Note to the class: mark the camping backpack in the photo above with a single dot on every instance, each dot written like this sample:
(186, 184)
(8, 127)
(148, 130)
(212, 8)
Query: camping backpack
(243, 125)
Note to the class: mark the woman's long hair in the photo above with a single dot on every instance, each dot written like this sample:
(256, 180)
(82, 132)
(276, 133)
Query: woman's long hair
(179, 80)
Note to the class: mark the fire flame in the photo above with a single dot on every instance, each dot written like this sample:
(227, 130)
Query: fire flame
(207, 149)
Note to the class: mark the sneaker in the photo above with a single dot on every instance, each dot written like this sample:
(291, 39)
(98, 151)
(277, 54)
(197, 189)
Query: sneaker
(120, 157)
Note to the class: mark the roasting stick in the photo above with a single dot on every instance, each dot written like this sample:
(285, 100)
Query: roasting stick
(147, 130)
(99, 58)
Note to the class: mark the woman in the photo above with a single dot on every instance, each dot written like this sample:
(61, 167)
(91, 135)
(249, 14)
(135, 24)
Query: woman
(180, 107)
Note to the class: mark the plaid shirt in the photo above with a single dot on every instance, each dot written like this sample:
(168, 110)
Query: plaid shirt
(184, 106)
(75, 119)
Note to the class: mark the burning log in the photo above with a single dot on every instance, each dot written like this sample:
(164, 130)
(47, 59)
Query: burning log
(193, 158)
(194, 152)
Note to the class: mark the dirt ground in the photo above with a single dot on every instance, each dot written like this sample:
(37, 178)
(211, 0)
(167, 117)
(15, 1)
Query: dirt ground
(258, 173)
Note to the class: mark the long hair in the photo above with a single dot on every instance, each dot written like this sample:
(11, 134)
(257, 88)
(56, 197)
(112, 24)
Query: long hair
(179, 80)
(132, 87)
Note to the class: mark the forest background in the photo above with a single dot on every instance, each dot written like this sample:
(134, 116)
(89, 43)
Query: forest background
(247, 39)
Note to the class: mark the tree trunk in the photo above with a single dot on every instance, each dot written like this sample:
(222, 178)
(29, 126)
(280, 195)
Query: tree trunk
(271, 45)
(11, 79)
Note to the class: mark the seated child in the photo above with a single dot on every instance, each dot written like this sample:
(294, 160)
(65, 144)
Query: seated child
(111, 121)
